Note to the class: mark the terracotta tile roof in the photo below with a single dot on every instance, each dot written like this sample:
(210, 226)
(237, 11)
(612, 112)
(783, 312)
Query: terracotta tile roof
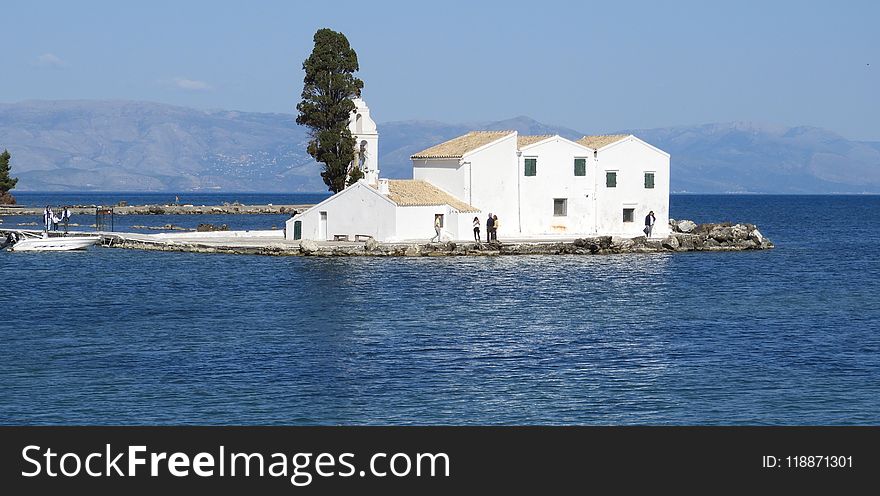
(415, 192)
(596, 142)
(457, 147)
(522, 141)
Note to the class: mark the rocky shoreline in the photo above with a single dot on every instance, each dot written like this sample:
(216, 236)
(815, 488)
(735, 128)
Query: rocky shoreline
(225, 209)
(686, 237)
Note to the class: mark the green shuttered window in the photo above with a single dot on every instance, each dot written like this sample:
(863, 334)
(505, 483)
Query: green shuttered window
(610, 179)
(531, 166)
(580, 167)
(649, 180)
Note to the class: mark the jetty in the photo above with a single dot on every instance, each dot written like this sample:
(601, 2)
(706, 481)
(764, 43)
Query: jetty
(687, 236)
(170, 209)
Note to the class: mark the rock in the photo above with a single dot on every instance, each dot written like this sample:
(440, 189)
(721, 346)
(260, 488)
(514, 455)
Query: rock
(670, 243)
(211, 228)
(685, 241)
(308, 246)
(371, 245)
(450, 246)
(122, 203)
(685, 226)
(412, 251)
(621, 244)
(740, 232)
(580, 243)
(722, 234)
(756, 236)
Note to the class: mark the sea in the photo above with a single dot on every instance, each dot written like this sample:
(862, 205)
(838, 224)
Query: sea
(788, 336)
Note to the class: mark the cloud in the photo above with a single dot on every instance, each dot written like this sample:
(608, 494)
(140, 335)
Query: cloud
(191, 84)
(50, 60)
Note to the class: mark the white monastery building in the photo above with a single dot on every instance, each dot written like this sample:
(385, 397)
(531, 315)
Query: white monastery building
(539, 187)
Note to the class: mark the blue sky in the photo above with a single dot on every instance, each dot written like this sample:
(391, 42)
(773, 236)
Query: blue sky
(591, 66)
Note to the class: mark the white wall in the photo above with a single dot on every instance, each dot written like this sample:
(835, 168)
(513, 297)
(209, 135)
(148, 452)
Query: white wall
(416, 223)
(494, 184)
(631, 158)
(358, 209)
(447, 174)
(555, 179)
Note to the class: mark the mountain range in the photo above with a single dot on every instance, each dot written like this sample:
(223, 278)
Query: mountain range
(96, 145)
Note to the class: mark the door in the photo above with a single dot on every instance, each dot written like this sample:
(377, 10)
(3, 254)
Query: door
(322, 227)
(297, 229)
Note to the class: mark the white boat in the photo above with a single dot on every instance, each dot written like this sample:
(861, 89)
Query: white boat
(28, 241)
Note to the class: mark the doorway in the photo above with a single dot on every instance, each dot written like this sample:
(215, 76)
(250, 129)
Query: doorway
(322, 227)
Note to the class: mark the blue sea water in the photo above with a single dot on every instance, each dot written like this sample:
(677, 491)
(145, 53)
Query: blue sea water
(786, 336)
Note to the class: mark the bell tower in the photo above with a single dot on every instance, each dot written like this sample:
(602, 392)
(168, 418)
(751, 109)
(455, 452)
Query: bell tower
(363, 128)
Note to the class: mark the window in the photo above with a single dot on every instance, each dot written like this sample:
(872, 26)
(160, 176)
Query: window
(610, 179)
(649, 180)
(440, 217)
(580, 167)
(629, 214)
(560, 207)
(531, 166)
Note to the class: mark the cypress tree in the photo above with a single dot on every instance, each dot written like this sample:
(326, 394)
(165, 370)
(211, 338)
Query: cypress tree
(328, 88)
(7, 183)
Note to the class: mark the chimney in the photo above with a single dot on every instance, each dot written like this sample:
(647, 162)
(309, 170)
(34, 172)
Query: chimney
(383, 187)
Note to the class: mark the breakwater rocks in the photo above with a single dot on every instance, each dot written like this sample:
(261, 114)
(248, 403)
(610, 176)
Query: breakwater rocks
(702, 237)
(225, 209)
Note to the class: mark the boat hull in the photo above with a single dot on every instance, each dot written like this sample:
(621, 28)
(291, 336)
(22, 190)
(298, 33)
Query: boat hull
(56, 244)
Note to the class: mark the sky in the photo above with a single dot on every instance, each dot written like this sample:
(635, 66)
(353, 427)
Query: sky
(591, 66)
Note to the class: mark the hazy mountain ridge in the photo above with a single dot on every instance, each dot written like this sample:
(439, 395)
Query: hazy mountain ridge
(140, 146)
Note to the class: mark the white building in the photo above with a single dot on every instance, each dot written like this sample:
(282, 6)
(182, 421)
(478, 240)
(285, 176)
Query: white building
(538, 186)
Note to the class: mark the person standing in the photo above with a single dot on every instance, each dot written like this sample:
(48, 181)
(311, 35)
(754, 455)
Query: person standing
(649, 223)
(495, 228)
(65, 216)
(477, 229)
(437, 226)
(490, 223)
(47, 219)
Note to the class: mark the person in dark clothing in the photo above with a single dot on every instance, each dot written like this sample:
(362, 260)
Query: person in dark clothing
(490, 224)
(649, 223)
(477, 229)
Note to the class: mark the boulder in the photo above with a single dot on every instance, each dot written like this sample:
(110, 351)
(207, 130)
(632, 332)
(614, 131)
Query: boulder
(685, 226)
(670, 243)
(412, 251)
(619, 243)
(756, 236)
(308, 246)
(740, 232)
(722, 234)
(371, 245)
(685, 241)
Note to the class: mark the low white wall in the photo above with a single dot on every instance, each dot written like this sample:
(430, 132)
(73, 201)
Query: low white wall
(358, 209)
(417, 223)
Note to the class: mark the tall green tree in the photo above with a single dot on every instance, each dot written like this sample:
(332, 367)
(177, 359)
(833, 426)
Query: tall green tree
(328, 88)
(7, 183)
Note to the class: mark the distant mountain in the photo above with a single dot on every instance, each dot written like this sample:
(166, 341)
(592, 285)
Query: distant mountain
(749, 157)
(138, 146)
